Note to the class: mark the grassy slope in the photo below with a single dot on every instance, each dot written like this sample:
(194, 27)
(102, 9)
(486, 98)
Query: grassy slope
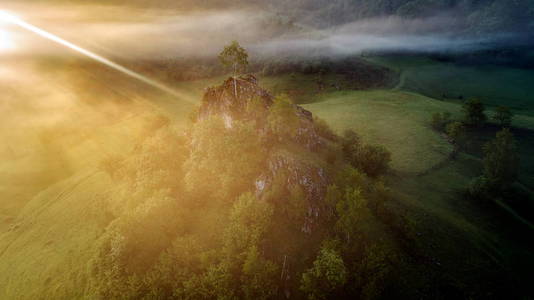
(46, 242)
(50, 185)
(394, 119)
(471, 242)
(494, 85)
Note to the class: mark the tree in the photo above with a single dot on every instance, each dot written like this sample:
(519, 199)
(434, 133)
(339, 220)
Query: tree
(258, 280)
(209, 171)
(474, 112)
(440, 120)
(236, 57)
(351, 210)
(374, 159)
(504, 116)
(249, 221)
(327, 275)
(501, 160)
(351, 142)
(456, 132)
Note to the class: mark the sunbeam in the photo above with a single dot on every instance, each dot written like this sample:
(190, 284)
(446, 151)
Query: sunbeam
(12, 19)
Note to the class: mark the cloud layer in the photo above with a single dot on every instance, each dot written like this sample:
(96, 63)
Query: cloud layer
(129, 33)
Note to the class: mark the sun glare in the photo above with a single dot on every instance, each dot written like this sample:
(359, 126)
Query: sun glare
(6, 39)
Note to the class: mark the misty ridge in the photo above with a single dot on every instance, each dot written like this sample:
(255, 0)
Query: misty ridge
(127, 32)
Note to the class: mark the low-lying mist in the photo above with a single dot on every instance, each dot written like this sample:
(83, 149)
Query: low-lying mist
(128, 33)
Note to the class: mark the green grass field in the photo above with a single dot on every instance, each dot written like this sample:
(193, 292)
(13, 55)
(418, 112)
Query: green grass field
(397, 120)
(494, 85)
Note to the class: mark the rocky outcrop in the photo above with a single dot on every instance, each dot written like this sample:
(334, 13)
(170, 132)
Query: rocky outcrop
(230, 101)
(312, 179)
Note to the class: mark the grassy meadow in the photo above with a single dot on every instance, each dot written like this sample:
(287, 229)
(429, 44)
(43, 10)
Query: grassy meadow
(495, 85)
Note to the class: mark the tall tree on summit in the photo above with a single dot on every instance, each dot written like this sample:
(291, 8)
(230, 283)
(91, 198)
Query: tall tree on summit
(236, 57)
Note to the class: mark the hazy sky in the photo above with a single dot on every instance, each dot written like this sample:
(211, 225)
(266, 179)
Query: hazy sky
(133, 33)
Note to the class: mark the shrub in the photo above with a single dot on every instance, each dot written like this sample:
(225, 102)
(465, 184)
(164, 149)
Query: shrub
(440, 120)
(456, 132)
(283, 119)
(474, 112)
(504, 116)
(327, 275)
(373, 160)
(501, 160)
(324, 130)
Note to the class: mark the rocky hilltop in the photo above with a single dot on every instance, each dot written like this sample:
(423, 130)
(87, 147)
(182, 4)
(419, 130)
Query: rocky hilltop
(232, 100)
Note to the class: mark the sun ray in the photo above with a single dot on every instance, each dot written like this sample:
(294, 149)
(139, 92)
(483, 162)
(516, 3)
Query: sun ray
(12, 19)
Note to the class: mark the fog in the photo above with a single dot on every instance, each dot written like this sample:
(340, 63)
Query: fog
(133, 33)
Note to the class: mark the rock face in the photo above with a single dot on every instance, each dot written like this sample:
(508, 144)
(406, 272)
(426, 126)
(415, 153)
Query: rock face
(230, 101)
(312, 179)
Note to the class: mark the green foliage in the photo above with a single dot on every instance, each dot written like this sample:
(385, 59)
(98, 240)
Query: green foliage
(501, 164)
(440, 121)
(235, 56)
(474, 112)
(249, 220)
(327, 276)
(375, 271)
(504, 116)
(215, 283)
(224, 161)
(351, 142)
(283, 119)
(501, 160)
(324, 130)
(258, 276)
(132, 245)
(457, 134)
(373, 160)
(351, 210)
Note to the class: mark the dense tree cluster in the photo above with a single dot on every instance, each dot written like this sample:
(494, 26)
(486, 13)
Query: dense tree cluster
(501, 167)
(500, 156)
(187, 220)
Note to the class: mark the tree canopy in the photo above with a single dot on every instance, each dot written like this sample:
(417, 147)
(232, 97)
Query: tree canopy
(234, 56)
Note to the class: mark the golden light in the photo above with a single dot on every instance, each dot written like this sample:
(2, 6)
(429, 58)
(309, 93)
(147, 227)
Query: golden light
(6, 40)
(8, 18)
